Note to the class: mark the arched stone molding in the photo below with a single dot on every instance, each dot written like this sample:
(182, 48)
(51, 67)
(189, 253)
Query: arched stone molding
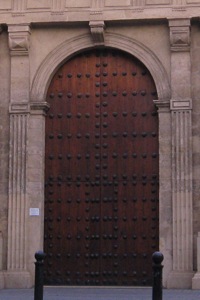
(64, 51)
(39, 88)
(147, 57)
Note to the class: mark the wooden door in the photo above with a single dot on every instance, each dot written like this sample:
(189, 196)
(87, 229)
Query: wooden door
(101, 172)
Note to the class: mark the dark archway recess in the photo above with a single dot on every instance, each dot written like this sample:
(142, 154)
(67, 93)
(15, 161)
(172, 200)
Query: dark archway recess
(101, 172)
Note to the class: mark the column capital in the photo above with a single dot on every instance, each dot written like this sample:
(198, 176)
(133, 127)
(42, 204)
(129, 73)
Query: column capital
(181, 104)
(19, 108)
(162, 105)
(179, 34)
(38, 108)
(19, 39)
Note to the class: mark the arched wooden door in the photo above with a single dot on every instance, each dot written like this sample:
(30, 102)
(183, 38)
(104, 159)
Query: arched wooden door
(101, 171)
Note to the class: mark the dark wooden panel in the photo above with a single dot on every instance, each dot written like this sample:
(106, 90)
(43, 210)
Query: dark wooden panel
(101, 196)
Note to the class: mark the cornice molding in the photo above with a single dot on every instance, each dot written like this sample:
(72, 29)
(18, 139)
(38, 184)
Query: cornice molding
(48, 11)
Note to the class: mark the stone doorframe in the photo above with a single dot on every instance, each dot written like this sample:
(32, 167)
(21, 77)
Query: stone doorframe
(83, 42)
(27, 124)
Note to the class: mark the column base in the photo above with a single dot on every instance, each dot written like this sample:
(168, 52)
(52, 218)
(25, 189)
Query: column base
(180, 280)
(196, 282)
(16, 280)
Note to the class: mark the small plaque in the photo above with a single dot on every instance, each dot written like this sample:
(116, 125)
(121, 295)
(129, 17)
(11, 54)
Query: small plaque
(34, 212)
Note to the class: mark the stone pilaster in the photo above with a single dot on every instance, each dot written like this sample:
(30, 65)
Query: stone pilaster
(35, 178)
(165, 208)
(17, 187)
(17, 274)
(181, 120)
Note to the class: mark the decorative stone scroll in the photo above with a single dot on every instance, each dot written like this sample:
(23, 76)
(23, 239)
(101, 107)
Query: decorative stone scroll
(97, 30)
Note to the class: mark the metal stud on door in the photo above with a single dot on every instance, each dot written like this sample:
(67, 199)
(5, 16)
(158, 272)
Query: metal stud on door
(101, 171)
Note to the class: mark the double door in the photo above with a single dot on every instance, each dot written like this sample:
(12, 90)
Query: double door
(101, 172)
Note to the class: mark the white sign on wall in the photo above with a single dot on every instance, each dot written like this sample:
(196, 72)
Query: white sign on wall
(34, 212)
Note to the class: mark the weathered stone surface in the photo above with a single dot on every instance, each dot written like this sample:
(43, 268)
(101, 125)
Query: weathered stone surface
(167, 41)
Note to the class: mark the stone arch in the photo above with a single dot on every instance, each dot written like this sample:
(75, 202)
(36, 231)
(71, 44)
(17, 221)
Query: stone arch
(64, 51)
(39, 87)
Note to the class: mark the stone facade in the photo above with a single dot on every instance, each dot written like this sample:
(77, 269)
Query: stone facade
(37, 36)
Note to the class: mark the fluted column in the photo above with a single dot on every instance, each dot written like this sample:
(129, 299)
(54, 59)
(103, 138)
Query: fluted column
(17, 274)
(181, 120)
(17, 191)
(182, 190)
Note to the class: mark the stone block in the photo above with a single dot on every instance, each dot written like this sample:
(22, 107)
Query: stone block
(158, 2)
(80, 3)
(2, 282)
(38, 4)
(180, 280)
(17, 279)
(117, 3)
(5, 4)
(193, 1)
(196, 282)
